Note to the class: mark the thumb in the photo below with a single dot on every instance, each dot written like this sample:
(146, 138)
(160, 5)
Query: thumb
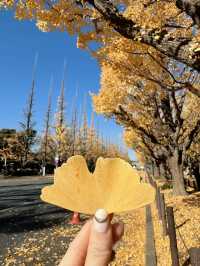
(101, 240)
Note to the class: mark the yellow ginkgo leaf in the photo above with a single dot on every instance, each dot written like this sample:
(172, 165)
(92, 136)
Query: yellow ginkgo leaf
(114, 186)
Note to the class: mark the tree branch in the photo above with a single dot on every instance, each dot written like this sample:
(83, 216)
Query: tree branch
(149, 148)
(178, 48)
(127, 119)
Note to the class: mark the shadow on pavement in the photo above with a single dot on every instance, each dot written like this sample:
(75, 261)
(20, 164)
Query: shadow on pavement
(28, 222)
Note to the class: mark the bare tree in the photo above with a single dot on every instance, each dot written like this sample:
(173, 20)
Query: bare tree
(47, 129)
(29, 134)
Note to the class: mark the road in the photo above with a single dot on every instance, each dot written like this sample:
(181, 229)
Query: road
(20, 201)
(22, 213)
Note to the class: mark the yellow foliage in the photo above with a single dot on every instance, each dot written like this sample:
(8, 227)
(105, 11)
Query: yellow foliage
(151, 16)
(7, 3)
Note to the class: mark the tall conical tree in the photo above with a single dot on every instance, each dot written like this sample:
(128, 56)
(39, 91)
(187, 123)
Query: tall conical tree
(97, 146)
(75, 132)
(91, 134)
(60, 123)
(29, 134)
(74, 129)
(47, 129)
(92, 128)
(84, 128)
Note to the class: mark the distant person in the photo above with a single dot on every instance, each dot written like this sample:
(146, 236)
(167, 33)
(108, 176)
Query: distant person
(94, 244)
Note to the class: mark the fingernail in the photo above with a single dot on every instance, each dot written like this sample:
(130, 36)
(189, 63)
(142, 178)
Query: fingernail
(101, 221)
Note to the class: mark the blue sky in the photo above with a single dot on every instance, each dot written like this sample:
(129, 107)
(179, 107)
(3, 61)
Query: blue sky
(19, 42)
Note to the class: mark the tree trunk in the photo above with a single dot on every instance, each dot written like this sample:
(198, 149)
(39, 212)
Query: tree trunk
(176, 168)
(149, 172)
(163, 171)
(198, 179)
(196, 173)
(156, 170)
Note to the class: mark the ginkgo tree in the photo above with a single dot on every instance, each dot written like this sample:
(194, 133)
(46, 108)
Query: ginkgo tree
(148, 96)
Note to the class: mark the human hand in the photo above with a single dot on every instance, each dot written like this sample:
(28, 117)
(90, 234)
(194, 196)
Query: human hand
(94, 243)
